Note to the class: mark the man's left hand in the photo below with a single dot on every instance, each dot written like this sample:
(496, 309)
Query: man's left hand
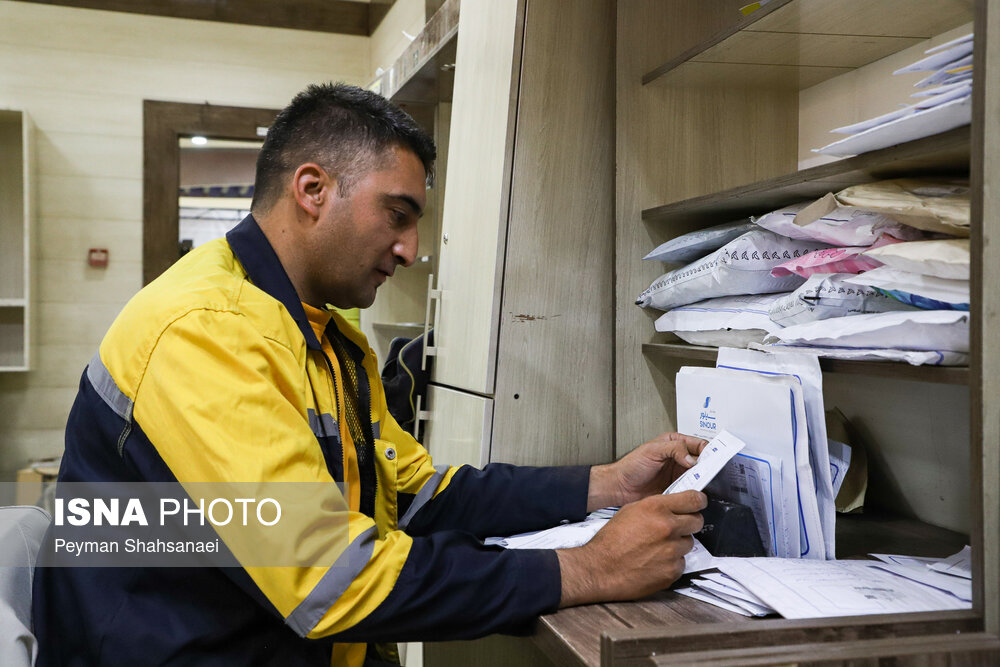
(646, 470)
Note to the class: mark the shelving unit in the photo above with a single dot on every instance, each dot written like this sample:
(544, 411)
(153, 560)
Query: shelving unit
(420, 82)
(958, 375)
(941, 154)
(16, 230)
(710, 107)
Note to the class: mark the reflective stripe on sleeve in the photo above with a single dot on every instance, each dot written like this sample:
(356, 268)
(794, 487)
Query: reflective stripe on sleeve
(107, 388)
(323, 425)
(424, 495)
(333, 584)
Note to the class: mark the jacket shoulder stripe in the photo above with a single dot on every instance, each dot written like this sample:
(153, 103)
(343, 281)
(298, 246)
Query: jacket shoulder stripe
(107, 388)
(323, 425)
(424, 495)
(333, 584)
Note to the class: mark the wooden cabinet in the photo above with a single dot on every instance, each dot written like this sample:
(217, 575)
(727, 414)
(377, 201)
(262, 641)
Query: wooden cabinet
(711, 106)
(16, 249)
(526, 248)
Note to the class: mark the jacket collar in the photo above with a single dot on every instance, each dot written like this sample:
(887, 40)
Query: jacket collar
(264, 269)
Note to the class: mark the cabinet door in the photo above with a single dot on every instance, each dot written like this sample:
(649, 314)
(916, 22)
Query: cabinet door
(457, 432)
(476, 201)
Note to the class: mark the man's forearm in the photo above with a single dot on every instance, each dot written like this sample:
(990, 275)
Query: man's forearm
(604, 489)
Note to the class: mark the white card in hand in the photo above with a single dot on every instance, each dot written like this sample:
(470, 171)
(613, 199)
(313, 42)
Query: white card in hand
(712, 459)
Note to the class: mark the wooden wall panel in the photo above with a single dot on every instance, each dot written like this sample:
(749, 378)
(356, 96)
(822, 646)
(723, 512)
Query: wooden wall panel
(554, 366)
(661, 136)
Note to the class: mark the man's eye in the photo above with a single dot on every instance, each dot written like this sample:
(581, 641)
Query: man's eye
(399, 216)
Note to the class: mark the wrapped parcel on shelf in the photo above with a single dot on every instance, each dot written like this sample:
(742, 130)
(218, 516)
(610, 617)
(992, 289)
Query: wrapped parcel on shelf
(742, 266)
(689, 247)
(826, 295)
(938, 337)
(943, 258)
(932, 205)
(918, 289)
(733, 321)
(849, 259)
(828, 220)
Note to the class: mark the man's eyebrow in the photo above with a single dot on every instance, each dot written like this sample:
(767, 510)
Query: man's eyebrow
(409, 201)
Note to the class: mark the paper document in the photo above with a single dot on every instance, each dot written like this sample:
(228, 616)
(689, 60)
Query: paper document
(799, 588)
(805, 371)
(762, 414)
(732, 597)
(570, 535)
(920, 573)
(840, 461)
(711, 460)
(752, 478)
(703, 596)
(959, 565)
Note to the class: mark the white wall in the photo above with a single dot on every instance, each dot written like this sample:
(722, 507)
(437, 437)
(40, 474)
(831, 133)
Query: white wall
(82, 76)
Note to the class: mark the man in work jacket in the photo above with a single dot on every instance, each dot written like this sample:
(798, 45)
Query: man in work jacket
(230, 367)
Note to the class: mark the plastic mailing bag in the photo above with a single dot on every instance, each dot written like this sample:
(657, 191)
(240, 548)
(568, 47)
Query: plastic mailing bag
(727, 320)
(929, 287)
(826, 295)
(933, 205)
(699, 243)
(930, 330)
(944, 258)
(742, 266)
(827, 221)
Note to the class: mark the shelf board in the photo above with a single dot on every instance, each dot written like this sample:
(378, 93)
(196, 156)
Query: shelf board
(399, 329)
(798, 44)
(424, 73)
(13, 303)
(939, 154)
(888, 369)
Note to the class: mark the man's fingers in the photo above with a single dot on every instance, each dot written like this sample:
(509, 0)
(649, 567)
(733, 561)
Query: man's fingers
(687, 455)
(687, 524)
(685, 502)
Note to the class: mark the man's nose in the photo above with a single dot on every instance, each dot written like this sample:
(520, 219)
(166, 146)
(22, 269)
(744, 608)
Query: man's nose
(405, 248)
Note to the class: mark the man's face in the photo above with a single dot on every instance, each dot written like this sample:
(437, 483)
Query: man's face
(362, 237)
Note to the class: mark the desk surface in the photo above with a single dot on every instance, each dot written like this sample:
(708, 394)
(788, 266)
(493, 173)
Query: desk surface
(573, 636)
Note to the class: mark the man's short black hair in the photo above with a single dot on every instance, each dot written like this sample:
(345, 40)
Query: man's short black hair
(345, 129)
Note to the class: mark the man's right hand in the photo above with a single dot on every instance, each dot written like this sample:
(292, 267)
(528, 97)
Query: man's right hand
(640, 551)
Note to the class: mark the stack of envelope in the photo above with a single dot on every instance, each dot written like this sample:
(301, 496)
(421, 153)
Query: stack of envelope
(944, 102)
(809, 589)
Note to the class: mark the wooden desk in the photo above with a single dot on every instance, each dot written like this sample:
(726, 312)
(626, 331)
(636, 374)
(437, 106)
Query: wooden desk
(653, 630)
(573, 636)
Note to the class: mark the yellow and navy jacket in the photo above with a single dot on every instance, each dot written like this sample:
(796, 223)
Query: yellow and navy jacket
(214, 372)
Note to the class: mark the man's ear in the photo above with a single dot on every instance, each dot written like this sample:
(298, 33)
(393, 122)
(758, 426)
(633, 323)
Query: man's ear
(312, 187)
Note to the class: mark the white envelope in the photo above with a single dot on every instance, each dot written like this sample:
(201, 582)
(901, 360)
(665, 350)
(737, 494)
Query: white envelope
(769, 415)
(753, 479)
(805, 370)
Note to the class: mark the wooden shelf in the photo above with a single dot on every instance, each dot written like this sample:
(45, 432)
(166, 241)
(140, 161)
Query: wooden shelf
(12, 303)
(424, 73)
(889, 369)
(796, 45)
(941, 154)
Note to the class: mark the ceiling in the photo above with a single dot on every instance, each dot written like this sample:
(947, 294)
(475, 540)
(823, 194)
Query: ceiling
(345, 17)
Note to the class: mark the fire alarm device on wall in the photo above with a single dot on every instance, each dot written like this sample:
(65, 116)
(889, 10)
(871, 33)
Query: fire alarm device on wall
(97, 257)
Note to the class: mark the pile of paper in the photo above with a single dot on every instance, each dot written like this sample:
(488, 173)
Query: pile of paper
(812, 589)
(774, 404)
(944, 102)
